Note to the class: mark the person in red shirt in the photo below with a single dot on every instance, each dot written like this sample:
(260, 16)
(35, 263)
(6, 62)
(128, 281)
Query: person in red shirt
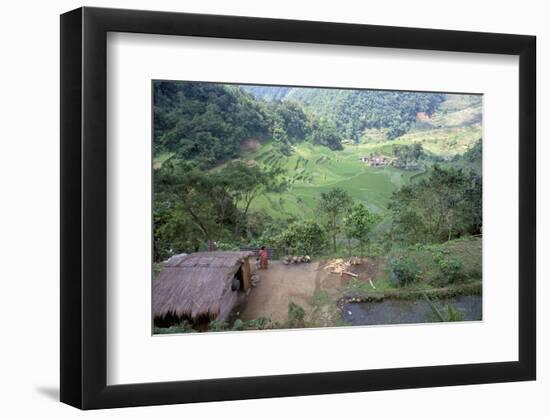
(264, 256)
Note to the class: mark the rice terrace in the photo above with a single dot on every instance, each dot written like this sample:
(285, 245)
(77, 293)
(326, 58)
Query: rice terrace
(281, 207)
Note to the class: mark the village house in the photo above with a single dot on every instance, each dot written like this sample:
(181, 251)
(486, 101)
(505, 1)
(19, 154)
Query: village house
(377, 160)
(201, 286)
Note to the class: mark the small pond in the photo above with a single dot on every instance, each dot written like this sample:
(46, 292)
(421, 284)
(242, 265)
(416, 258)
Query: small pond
(409, 311)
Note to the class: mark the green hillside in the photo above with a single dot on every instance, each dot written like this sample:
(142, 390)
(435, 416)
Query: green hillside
(231, 162)
(353, 111)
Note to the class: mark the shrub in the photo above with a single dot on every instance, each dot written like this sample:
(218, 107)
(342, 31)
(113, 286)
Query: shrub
(452, 269)
(227, 246)
(217, 326)
(404, 270)
(238, 325)
(182, 327)
(308, 238)
(296, 315)
(257, 324)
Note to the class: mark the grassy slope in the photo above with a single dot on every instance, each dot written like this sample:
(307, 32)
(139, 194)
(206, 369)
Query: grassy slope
(468, 250)
(314, 169)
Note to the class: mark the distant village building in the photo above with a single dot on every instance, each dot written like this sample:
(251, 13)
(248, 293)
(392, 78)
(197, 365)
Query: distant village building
(377, 160)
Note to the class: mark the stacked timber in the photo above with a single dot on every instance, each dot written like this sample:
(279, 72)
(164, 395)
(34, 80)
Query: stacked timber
(296, 259)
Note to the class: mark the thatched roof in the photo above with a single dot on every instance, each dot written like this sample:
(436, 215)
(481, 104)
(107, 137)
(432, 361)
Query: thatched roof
(193, 285)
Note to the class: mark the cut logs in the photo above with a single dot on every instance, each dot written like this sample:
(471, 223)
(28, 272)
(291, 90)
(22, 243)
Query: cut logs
(296, 259)
(337, 266)
(340, 267)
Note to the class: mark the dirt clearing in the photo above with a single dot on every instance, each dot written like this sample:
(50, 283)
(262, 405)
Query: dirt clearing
(279, 285)
(306, 284)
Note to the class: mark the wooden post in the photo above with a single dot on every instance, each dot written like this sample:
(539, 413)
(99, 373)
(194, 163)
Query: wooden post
(246, 274)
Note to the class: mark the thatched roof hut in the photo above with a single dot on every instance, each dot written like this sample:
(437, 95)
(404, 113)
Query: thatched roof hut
(201, 285)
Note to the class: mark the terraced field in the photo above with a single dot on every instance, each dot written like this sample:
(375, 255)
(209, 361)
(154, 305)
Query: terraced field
(314, 169)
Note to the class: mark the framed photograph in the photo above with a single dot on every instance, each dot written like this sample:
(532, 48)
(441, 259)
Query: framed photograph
(255, 208)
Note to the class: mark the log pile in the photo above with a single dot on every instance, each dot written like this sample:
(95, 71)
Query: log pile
(296, 259)
(340, 266)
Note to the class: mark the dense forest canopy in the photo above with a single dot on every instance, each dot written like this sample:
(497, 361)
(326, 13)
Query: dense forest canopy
(204, 122)
(207, 122)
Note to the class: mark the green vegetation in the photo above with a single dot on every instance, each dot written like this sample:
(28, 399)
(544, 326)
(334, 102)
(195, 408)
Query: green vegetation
(404, 270)
(236, 324)
(443, 205)
(359, 224)
(453, 266)
(296, 315)
(292, 174)
(332, 205)
(458, 261)
(308, 237)
(353, 111)
(292, 169)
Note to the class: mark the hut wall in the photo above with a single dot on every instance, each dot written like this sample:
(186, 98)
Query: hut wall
(228, 301)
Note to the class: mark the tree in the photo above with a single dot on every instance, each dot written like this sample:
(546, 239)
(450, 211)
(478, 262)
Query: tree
(192, 203)
(294, 120)
(408, 155)
(359, 223)
(304, 238)
(324, 132)
(333, 204)
(444, 205)
(204, 121)
(246, 182)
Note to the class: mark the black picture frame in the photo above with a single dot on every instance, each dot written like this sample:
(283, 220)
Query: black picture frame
(84, 207)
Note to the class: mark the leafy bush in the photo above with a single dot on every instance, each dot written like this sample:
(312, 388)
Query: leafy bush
(307, 238)
(217, 326)
(257, 324)
(182, 327)
(238, 325)
(452, 269)
(404, 270)
(227, 246)
(296, 315)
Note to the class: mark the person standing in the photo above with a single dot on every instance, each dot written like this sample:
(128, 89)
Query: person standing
(264, 256)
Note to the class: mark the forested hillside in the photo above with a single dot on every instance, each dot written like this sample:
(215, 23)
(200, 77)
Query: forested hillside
(353, 111)
(204, 122)
(207, 122)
